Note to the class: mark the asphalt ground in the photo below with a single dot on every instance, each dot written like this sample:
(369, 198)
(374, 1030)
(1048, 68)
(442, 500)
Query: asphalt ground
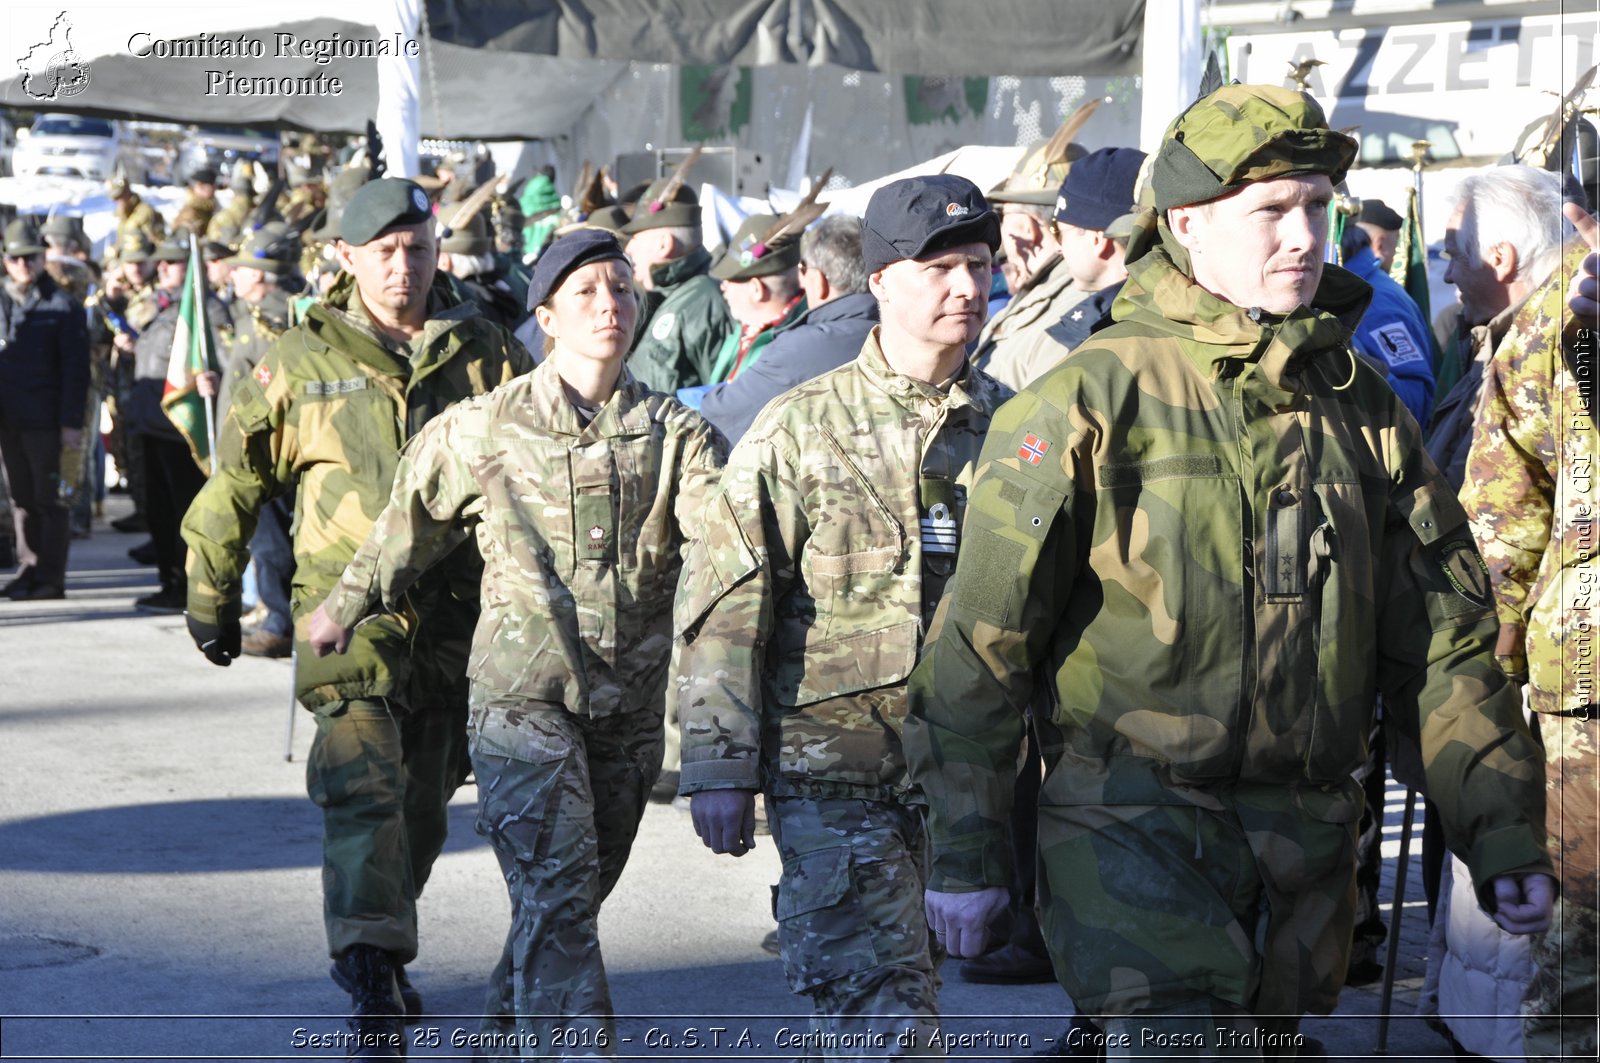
(160, 867)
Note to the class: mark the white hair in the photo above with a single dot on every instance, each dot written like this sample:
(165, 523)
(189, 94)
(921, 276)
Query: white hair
(1517, 205)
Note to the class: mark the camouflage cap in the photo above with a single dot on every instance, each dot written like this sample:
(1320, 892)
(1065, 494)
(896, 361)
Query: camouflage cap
(1244, 133)
(754, 252)
(22, 239)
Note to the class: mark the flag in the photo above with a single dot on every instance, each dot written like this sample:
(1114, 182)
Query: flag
(1410, 270)
(193, 353)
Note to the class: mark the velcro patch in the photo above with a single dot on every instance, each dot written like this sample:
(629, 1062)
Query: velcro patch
(1033, 449)
(336, 387)
(1398, 346)
(1466, 572)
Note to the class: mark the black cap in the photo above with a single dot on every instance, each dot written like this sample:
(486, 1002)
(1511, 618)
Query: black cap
(204, 175)
(1099, 188)
(568, 253)
(381, 205)
(918, 216)
(1377, 212)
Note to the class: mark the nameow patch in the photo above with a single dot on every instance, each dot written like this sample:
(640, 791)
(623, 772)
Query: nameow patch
(661, 328)
(1033, 449)
(336, 387)
(1398, 347)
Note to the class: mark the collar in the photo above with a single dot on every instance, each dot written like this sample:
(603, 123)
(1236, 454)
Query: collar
(675, 271)
(625, 413)
(908, 393)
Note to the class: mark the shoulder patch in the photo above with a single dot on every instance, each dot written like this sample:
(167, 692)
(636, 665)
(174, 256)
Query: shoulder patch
(263, 374)
(1397, 344)
(661, 327)
(1466, 572)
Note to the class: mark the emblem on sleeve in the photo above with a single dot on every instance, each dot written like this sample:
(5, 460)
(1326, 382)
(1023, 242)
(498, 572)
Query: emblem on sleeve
(662, 327)
(263, 374)
(1466, 572)
(1033, 449)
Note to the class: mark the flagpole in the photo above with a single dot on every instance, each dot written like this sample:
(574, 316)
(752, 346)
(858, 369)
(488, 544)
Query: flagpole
(197, 267)
(1419, 148)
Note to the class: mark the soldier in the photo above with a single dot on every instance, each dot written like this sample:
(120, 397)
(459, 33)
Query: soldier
(195, 214)
(227, 224)
(1531, 495)
(760, 275)
(1013, 348)
(44, 378)
(802, 606)
(1213, 532)
(685, 318)
(1093, 220)
(134, 215)
(583, 487)
(132, 303)
(466, 256)
(325, 413)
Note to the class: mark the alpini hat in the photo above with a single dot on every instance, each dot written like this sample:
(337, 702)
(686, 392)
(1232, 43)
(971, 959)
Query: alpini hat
(270, 249)
(22, 239)
(1244, 133)
(760, 248)
(381, 205)
(919, 216)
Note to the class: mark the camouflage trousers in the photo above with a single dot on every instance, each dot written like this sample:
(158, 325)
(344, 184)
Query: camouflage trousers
(383, 779)
(1242, 900)
(1560, 1009)
(560, 797)
(851, 926)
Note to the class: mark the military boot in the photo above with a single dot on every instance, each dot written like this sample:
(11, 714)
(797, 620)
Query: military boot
(408, 993)
(377, 1016)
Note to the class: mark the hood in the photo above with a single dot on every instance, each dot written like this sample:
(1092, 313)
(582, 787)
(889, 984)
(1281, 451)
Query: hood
(1161, 295)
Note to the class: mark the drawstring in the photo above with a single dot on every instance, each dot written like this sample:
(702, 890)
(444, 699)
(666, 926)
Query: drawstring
(1352, 355)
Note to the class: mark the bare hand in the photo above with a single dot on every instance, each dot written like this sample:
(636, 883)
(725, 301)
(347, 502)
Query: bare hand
(324, 635)
(1512, 641)
(72, 438)
(961, 920)
(1523, 904)
(123, 342)
(725, 820)
(208, 384)
(1583, 295)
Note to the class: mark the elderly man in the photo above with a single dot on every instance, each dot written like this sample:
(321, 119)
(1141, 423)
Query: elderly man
(325, 413)
(839, 314)
(44, 381)
(802, 606)
(1213, 533)
(760, 275)
(684, 317)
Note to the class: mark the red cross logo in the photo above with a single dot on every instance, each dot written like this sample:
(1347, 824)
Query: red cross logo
(1033, 449)
(263, 375)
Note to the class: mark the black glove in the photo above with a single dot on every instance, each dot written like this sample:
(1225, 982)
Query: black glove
(219, 642)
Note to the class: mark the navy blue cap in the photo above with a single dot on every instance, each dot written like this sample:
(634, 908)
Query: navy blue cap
(919, 216)
(381, 205)
(1099, 188)
(573, 251)
(1379, 213)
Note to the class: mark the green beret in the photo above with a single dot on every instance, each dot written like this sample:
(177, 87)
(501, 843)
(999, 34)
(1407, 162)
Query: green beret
(381, 205)
(1244, 133)
(751, 253)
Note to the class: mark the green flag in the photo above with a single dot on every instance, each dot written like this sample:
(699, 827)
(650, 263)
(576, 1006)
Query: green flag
(193, 353)
(1410, 270)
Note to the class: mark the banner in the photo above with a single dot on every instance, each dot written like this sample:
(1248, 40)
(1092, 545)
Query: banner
(193, 353)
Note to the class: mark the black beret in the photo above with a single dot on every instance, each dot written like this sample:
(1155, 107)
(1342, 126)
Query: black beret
(577, 249)
(1377, 212)
(918, 216)
(381, 205)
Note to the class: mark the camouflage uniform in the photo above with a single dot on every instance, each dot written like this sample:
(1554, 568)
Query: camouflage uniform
(581, 526)
(194, 215)
(139, 217)
(1013, 347)
(1220, 537)
(800, 614)
(1531, 494)
(227, 224)
(324, 414)
(256, 327)
(682, 325)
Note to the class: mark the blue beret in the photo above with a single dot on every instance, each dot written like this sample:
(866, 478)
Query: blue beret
(568, 253)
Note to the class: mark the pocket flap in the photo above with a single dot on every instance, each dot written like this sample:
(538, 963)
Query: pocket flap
(813, 881)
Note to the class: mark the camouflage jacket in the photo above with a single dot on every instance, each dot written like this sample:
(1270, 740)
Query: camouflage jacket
(686, 323)
(806, 594)
(1014, 348)
(324, 414)
(194, 215)
(581, 528)
(1219, 535)
(139, 217)
(256, 327)
(1530, 490)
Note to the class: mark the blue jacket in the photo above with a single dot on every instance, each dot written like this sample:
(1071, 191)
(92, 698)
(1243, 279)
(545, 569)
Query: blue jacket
(44, 358)
(827, 337)
(1394, 332)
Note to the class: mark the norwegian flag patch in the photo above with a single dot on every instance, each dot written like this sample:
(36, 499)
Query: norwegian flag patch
(263, 375)
(1033, 449)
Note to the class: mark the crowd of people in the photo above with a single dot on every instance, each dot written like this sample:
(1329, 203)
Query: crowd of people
(1069, 640)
